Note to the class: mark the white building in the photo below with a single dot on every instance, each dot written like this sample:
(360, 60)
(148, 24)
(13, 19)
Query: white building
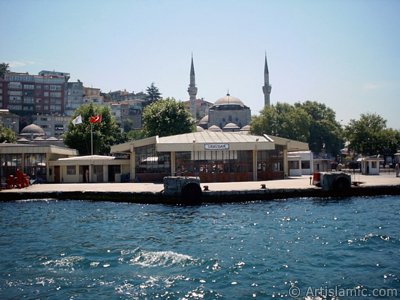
(370, 165)
(301, 163)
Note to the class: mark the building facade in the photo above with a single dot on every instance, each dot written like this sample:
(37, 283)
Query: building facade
(9, 120)
(25, 94)
(33, 160)
(74, 97)
(53, 125)
(213, 156)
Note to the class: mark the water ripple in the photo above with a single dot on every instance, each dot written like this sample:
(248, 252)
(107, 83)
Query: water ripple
(101, 250)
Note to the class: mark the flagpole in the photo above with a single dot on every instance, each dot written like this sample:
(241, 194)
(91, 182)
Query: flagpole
(91, 138)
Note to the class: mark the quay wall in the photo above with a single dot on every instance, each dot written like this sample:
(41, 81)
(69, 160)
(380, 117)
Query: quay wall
(224, 196)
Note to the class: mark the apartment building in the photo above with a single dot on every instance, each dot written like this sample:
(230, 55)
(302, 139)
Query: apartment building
(25, 94)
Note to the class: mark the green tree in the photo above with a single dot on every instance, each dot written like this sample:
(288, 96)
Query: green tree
(105, 134)
(325, 131)
(152, 94)
(134, 135)
(369, 136)
(7, 135)
(4, 69)
(282, 120)
(166, 117)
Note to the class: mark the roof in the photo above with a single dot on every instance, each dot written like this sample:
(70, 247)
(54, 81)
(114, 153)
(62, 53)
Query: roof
(229, 100)
(245, 128)
(198, 128)
(204, 120)
(32, 129)
(231, 126)
(214, 128)
(292, 145)
(198, 141)
(32, 148)
(236, 141)
(88, 159)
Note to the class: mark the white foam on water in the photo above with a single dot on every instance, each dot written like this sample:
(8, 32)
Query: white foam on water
(160, 258)
(65, 262)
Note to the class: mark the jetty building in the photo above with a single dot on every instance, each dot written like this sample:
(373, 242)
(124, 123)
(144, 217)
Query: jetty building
(213, 156)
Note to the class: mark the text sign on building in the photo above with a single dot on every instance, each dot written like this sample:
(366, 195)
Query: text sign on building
(216, 146)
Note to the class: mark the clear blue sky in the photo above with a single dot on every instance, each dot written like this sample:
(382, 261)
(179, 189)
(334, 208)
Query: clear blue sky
(344, 53)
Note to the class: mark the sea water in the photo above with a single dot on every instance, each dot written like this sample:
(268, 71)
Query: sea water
(297, 248)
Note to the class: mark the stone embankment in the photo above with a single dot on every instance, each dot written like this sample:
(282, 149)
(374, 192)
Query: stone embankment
(148, 193)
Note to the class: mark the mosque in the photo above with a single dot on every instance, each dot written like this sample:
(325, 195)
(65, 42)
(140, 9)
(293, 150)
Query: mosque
(228, 113)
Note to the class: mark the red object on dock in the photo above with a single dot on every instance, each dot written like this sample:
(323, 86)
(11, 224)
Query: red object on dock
(316, 178)
(20, 180)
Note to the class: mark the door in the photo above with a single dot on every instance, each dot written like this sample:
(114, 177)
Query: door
(57, 174)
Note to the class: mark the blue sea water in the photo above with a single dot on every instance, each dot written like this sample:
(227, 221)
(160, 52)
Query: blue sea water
(300, 248)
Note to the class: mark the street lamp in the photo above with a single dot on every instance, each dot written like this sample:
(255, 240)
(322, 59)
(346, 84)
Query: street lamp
(194, 159)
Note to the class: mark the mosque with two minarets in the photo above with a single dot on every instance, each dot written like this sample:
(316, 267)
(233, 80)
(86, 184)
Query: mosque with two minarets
(227, 114)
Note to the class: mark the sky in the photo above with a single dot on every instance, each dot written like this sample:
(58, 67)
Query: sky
(343, 53)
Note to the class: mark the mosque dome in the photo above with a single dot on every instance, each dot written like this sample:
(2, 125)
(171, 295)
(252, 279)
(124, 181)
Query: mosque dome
(245, 128)
(231, 127)
(215, 128)
(229, 100)
(204, 120)
(33, 130)
(199, 129)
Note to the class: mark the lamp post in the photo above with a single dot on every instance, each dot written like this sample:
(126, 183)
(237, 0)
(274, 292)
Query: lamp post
(255, 170)
(194, 159)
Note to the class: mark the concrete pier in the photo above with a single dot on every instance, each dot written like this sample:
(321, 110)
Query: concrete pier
(149, 193)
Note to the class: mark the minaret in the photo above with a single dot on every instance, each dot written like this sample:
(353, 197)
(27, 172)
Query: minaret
(192, 90)
(267, 87)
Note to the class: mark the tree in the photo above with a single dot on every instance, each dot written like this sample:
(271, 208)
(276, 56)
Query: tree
(4, 69)
(325, 131)
(152, 94)
(166, 117)
(7, 135)
(282, 120)
(134, 135)
(105, 134)
(369, 136)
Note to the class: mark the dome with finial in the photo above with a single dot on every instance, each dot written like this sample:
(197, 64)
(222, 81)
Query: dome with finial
(32, 130)
(229, 100)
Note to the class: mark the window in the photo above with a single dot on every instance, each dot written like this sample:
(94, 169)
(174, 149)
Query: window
(15, 85)
(29, 86)
(28, 100)
(305, 164)
(15, 99)
(55, 94)
(55, 88)
(293, 164)
(71, 170)
(15, 93)
(15, 107)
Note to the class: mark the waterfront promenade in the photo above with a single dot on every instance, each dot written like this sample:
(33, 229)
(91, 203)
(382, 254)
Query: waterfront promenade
(300, 182)
(217, 192)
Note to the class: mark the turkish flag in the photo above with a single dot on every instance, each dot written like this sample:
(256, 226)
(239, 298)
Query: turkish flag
(95, 119)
